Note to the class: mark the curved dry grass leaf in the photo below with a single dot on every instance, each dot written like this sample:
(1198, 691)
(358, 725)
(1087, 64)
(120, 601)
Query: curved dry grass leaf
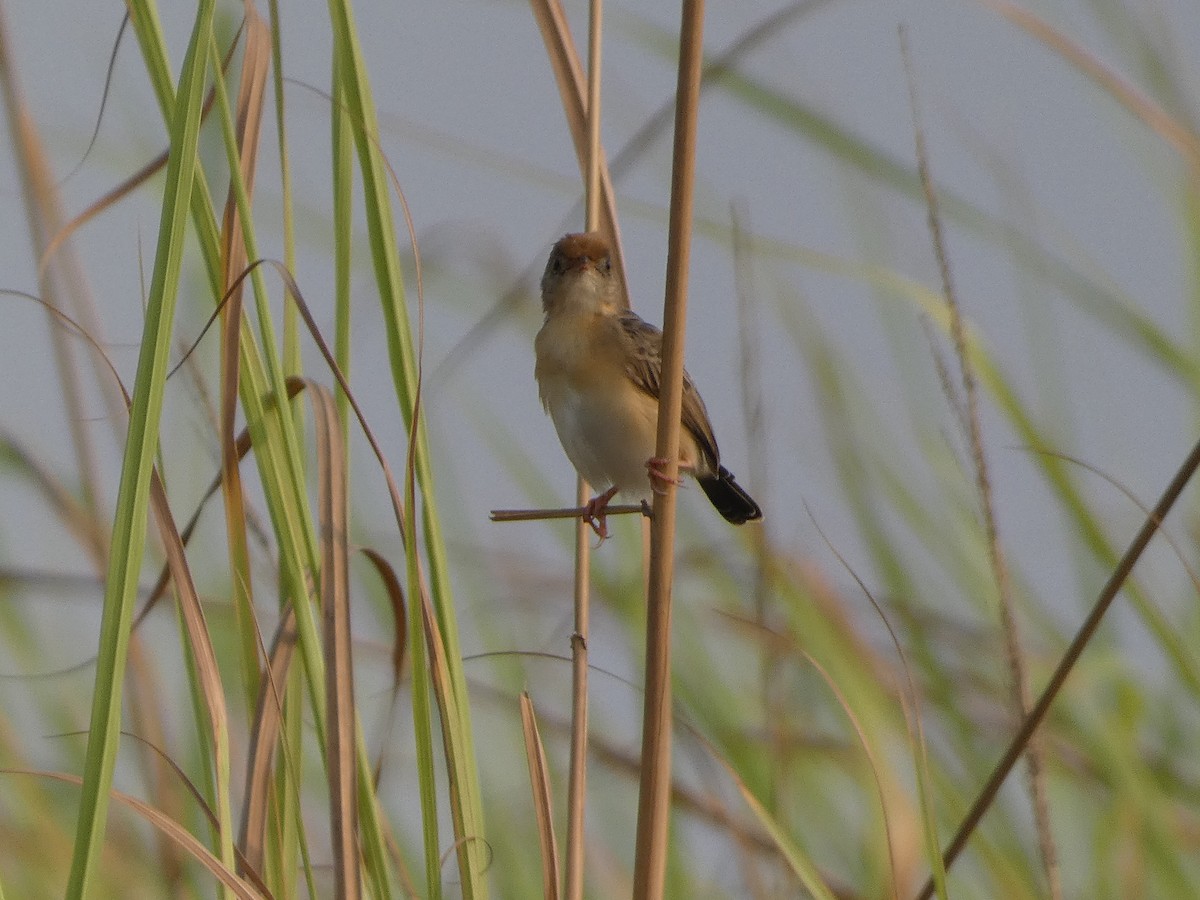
(543, 803)
(129, 185)
(395, 594)
(204, 656)
(264, 736)
(169, 827)
(248, 128)
(340, 761)
(207, 670)
(248, 871)
(108, 79)
(78, 522)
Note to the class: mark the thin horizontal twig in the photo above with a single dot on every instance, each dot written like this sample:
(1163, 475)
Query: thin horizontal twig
(570, 512)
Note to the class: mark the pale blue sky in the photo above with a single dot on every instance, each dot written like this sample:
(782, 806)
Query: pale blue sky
(489, 174)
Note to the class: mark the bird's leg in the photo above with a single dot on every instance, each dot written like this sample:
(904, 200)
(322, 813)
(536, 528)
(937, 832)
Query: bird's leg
(593, 513)
(658, 478)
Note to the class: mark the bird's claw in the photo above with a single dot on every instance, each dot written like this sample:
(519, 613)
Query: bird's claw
(658, 478)
(598, 524)
(593, 513)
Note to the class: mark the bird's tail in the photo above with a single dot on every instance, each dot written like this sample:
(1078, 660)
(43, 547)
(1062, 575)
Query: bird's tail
(729, 497)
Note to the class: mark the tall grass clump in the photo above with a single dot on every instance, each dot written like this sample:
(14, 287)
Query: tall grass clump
(957, 659)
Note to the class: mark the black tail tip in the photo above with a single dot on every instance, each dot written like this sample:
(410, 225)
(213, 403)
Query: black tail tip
(730, 498)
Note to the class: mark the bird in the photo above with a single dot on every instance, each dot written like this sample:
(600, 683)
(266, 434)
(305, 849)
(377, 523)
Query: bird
(598, 369)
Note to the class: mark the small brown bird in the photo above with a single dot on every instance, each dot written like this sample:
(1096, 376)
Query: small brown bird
(598, 371)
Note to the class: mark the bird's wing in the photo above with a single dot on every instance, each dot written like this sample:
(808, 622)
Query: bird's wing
(643, 365)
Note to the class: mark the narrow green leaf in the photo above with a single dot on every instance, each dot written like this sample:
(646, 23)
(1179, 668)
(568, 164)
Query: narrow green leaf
(129, 526)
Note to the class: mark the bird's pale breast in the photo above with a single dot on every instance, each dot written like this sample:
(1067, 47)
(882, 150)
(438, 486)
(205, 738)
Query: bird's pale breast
(605, 423)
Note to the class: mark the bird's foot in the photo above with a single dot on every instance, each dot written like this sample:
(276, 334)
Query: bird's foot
(658, 478)
(593, 512)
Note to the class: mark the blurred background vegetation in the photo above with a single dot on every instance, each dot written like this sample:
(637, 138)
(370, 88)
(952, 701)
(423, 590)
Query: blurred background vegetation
(1061, 137)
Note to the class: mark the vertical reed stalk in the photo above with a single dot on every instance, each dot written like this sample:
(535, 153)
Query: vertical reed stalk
(577, 785)
(655, 793)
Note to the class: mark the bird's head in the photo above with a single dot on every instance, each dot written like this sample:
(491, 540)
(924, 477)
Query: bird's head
(579, 276)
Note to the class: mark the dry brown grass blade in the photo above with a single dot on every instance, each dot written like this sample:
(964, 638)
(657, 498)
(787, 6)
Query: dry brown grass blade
(1168, 127)
(1079, 643)
(168, 826)
(439, 667)
(543, 803)
(147, 712)
(248, 130)
(78, 522)
(104, 94)
(572, 88)
(264, 736)
(207, 672)
(126, 187)
(198, 798)
(64, 286)
(395, 593)
(242, 446)
(112, 197)
(341, 727)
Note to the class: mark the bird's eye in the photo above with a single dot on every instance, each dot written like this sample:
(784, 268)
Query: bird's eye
(606, 265)
(556, 265)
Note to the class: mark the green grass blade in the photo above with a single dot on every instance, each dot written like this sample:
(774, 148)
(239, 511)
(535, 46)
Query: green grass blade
(466, 805)
(129, 527)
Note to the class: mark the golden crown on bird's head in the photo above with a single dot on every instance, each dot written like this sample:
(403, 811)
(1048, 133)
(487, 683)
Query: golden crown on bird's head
(584, 261)
(587, 245)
